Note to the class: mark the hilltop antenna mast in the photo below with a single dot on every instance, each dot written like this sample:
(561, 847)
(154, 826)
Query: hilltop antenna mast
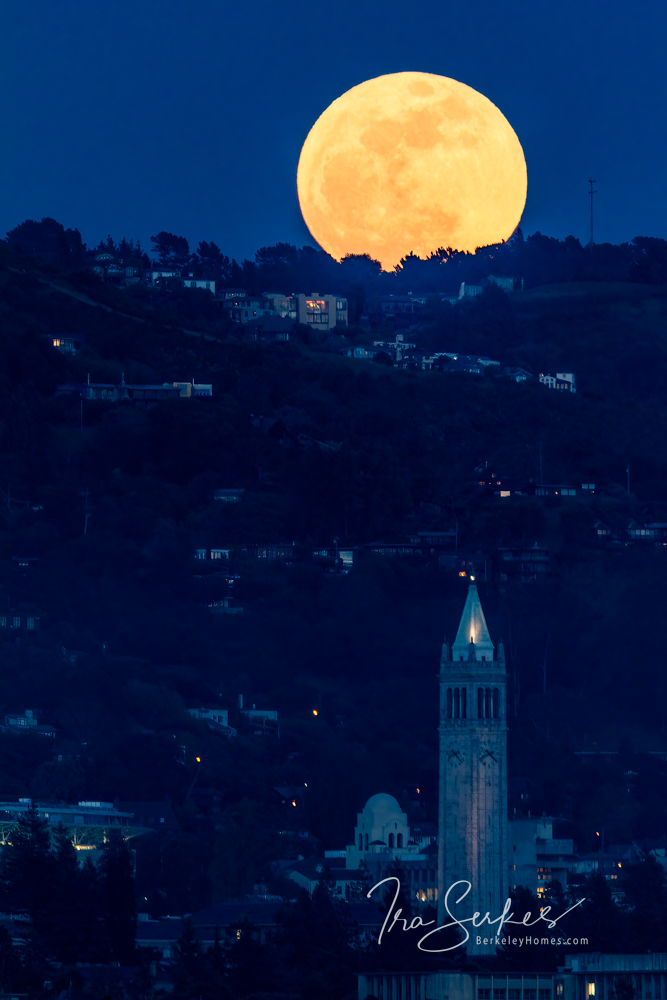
(591, 181)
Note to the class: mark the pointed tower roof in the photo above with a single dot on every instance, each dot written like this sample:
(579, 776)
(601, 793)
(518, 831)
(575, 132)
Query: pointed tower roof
(472, 629)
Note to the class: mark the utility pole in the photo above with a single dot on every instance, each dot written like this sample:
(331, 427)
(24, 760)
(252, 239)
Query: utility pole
(87, 508)
(591, 181)
(541, 472)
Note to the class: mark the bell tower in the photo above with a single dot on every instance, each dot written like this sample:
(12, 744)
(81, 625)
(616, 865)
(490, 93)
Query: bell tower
(472, 820)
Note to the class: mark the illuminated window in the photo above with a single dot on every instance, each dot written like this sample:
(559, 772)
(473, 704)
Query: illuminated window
(560, 989)
(590, 989)
(30, 622)
(200, 553)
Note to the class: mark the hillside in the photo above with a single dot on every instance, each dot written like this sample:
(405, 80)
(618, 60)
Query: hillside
(344, 449)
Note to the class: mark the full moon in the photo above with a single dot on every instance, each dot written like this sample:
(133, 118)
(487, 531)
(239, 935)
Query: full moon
(410, 162)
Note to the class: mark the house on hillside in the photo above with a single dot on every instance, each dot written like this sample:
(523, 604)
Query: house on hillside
(269, 329)
(516, 374)
(395, 348)
(68, 343)
(216, 719)
(401, 305)
(562, 380)
(202, 283)
(521, 563)
(361, 352)
(27, 723)
(322, 312)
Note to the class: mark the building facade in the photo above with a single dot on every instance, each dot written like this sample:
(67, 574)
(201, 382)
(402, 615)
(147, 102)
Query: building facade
(322, 312)
(472, 821)
(585, 976)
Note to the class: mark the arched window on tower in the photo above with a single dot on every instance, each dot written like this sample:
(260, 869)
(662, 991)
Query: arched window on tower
(449, 703)
(488, 708)
(457, 704)
(361, 842)
(399, 840)
(366, 841)
(463, 703)
(390, 838)
(480, 703)
(496, 703)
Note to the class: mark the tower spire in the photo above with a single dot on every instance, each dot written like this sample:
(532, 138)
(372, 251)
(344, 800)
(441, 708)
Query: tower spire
(473, 634)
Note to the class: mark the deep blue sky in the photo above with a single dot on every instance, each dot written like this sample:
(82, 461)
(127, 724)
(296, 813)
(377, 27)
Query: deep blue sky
(134, 116)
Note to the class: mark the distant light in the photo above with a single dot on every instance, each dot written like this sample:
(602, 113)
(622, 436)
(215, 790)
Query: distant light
(198, 759)
(597, 834)
(472, 577)
(462, 572)
(305, 784)
(293, 802)
(314, 711)
(417, 791)
(619, 864)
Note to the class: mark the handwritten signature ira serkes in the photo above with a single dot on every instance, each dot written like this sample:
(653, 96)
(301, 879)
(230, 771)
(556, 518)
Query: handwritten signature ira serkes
(394, 917)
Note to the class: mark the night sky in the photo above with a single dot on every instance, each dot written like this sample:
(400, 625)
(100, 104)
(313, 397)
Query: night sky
(134, 116)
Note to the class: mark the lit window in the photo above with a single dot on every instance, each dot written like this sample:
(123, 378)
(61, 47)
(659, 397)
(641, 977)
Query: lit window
(590, 989)
(200, 553)
(30, 622)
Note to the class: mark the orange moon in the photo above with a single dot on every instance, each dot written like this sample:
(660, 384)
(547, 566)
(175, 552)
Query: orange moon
(410, 162)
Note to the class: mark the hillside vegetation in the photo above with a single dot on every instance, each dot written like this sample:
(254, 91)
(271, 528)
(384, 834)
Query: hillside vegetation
(350, 450)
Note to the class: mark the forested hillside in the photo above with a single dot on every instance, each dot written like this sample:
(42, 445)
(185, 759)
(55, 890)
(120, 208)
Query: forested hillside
(347, 450)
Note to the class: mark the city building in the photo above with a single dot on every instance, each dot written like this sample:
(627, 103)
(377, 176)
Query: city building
(322, 312)
(88, 823)
(472, 821)
(585, 976)
(536, 858)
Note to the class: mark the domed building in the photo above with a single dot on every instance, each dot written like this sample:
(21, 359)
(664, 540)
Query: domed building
(382, 828)
(384, 840)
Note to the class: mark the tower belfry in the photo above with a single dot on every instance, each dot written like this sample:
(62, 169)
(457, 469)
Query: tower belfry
(472, 820)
